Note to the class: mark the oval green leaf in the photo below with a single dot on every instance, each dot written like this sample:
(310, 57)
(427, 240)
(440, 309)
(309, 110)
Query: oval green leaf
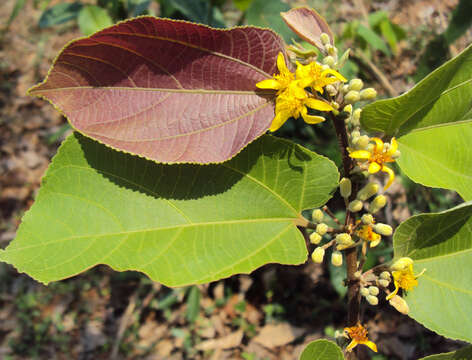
(441, 243)
(434, 125)
(179, 224)
(92, 19)
(322, 350)
(462, 354)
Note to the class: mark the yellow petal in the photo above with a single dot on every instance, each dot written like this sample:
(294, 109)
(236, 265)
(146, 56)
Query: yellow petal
(360, 154)
(297, 91)
(334, 73)
(281, 63)
(374, 167)
(374, 243)
(379, 144)
(280, 118)
(394, 292)
(305, 82)
(312, 119)
(269, 84)
(318, 105)
(351, 345)
(370, 344)
(393, 147)
(391, 176)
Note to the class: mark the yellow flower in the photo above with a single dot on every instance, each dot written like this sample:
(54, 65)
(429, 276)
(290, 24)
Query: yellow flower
(281, 81)
(358, 335)
(314, 76)
(377, 157)
(367, 234)
(403, 277)
(293, 102)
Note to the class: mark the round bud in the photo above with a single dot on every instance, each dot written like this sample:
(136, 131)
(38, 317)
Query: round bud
(363, 142)
(317, 215)
(348, 109)
(401, 264)
(384, 283)
(315, 238)
(344, 239)
(383, 229)
(367, 219)
(345, 187)
(352, 97)
(368, 94)
(336, 258)
(324, 38)
(372, 300)
(367, 191)
(318, 255)
(322, 229)
(364, 292)
(329, 60)
(373, 290)
(355, 133)
(356, 117)
(324, 67)
(332, 50)
(378, 203)
(358, 274)
(345, 89)
(385, 275)
(355, 206)
(332, 91)
(399, 304)
(356, 84)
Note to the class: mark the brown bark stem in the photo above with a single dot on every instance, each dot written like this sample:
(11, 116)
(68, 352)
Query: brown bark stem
(353, 285)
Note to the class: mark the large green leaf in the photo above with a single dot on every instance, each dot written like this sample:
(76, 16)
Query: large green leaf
(322, 349)
(441, 243)
(267, 14)
(441, 98)
(462, 354)
(179, 224)
(434, 125)
(92, 19)
(439, 156)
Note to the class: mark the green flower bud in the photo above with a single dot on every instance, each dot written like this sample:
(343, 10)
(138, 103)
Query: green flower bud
(318, 255)
(373, 290)
(368, 94)
(342, 60)
(344, 239)
(315, 238)
(367, 219)
(355, 206)
(345, 187)
(378, 203)
(352, 97)
(364, 292)
(357, 114)
(345, 89)
(332, 91)
(355, 133)
(385, 275)
(329, 60)
(317, 215)
(336, 258)
(383, 229)
(372, 300)
(356, 84)
(384, 283)
(324, 38)
(399, 304)
(322, 229)
(367, 191)
(401, 264)
(363, 142)
(332, 50)
(348, 108)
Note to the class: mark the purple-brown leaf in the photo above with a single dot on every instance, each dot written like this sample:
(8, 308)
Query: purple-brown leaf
(171, 91)
(308, 24)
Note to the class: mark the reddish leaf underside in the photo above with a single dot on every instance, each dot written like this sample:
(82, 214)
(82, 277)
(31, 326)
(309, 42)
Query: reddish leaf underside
(308, 24)
(171, 91)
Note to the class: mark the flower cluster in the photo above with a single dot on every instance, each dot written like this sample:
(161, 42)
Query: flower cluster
(296, 93)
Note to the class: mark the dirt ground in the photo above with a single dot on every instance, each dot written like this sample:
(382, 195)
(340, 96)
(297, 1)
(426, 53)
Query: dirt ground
(100, 314)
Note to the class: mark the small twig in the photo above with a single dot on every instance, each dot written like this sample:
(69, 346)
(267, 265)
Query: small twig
(331, 215)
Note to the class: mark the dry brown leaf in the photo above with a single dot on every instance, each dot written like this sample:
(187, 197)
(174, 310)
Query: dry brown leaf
(227, 342)
(277, 335)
